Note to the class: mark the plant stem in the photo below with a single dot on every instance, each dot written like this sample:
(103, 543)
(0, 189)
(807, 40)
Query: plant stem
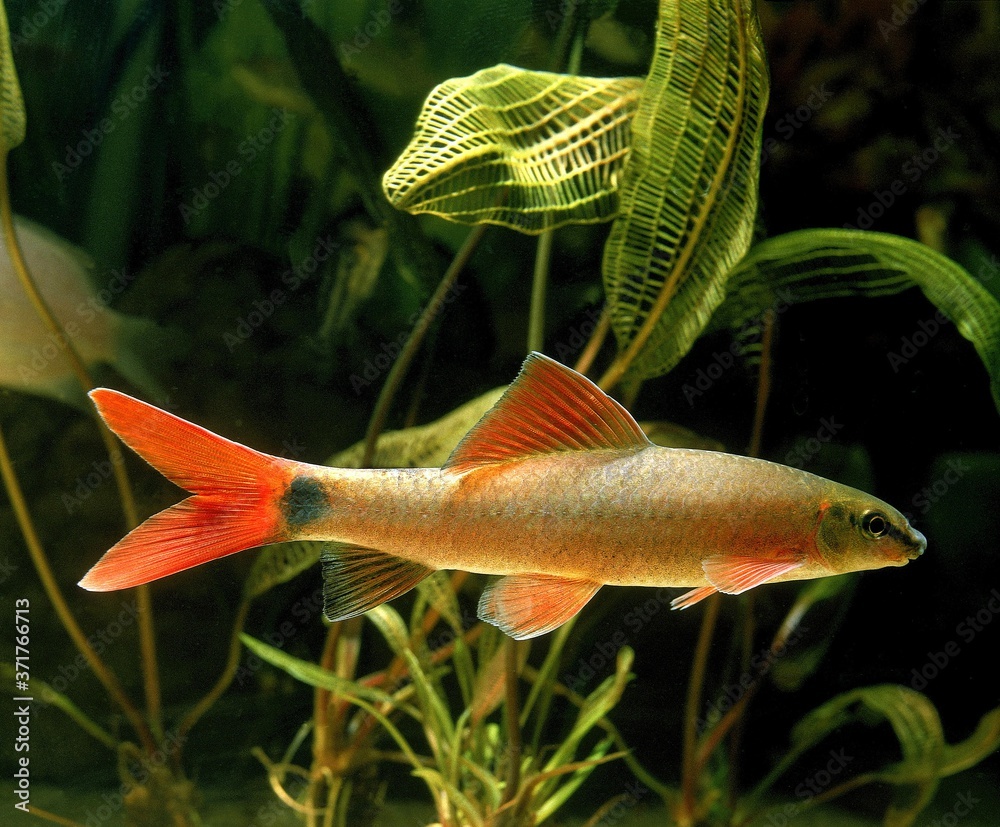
(689, 772)
(594, 344)
(146, 634)
(45, 815)
(763, 384)
(513, 718)
(413, 342)
(226, 678)
(41, 562)
(539, 284)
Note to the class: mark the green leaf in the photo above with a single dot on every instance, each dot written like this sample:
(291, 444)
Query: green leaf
(45, 694)
(598, 704)
(917, 726)
(436, 591)
(572, 784)
(13, 121)
(314, 675)
(689, 187)
(829, 263)
(422, 446)
(525, 149)
(812, 610)
(981, 744)
(278, 564)
(388, 621)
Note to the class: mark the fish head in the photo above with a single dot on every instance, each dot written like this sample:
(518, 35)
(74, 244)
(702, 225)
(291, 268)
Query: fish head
(856, 532)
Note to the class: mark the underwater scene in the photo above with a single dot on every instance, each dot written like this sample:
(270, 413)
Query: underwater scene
(495, 413)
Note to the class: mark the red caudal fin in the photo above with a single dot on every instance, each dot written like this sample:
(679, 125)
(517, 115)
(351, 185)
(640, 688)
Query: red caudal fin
(236, 499)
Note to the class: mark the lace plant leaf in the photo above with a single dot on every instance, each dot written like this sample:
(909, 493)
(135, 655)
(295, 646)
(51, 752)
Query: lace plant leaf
(689, 187)
(13, 121)
(831, 263)
(528, 150)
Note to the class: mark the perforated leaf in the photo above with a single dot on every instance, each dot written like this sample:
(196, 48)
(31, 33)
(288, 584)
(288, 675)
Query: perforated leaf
(830, 263)
(689, 186)
(421, 446)
(12, 118)
(528, 150)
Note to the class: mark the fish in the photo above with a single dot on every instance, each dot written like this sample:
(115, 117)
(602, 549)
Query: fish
(33, 359)
(556, 491)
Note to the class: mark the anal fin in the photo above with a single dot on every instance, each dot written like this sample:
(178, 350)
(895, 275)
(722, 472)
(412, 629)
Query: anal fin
(357, 579)
(528, 605)
(688, 599)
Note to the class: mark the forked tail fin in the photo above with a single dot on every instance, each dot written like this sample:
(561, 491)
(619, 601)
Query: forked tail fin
(235, 505)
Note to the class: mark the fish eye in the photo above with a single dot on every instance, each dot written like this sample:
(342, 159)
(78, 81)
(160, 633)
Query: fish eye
(874, 525)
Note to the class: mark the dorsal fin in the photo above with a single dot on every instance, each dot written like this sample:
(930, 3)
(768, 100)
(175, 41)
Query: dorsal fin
(548, 407)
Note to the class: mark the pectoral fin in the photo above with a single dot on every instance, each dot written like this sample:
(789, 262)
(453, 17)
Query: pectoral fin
(734, 574)
(528, 605)
(357, 579)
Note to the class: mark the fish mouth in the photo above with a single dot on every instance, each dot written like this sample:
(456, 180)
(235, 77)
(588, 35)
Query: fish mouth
(918, 544)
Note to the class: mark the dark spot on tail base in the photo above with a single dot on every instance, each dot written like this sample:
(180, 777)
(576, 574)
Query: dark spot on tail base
(304, 501)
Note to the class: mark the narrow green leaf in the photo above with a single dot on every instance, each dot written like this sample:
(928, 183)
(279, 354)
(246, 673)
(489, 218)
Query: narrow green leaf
(422, 446)
(279, 563)
(917, 726)
(438, 725)
(525, 149)
(569, 786)
(436, 591)
(453, 795)
(314, 675)
(982, 743)
(13, 120)
(44, 693)
(689, 187)
(388, 621)
(830, 263)
(598, 704)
